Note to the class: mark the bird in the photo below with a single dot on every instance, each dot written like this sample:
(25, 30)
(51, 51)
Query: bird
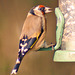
(33, 33)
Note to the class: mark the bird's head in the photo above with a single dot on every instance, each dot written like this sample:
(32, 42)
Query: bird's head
(40, 10)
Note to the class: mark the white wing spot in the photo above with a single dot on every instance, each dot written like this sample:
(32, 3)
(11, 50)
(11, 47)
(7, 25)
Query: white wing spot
(22, 53)
(19, 50)
(25, 50)
(17, 61)
(24, 39)
(23, 45)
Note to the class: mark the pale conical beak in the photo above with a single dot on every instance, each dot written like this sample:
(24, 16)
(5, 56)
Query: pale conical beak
(48, 10)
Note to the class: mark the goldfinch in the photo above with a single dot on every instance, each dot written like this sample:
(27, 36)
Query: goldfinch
(33, 33)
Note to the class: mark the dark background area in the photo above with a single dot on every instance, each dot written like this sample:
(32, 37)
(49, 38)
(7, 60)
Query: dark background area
(12, 16)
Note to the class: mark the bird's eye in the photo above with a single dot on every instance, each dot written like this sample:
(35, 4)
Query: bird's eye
(42, 9)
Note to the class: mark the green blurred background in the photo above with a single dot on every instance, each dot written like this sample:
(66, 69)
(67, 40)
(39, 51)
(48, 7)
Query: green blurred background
(12, 16)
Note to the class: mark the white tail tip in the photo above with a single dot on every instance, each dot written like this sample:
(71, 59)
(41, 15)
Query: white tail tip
(13, 72)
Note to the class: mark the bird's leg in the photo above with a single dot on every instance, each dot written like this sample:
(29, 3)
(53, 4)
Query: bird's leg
(47, 46)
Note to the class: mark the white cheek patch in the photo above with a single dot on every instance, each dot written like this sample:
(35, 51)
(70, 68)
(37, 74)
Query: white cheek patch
(36, 8)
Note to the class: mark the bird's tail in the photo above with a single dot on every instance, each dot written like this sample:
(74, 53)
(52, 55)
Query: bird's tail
(16, 67)
(24, 46)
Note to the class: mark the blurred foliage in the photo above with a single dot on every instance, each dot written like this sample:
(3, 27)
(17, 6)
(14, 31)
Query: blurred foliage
(12, 16)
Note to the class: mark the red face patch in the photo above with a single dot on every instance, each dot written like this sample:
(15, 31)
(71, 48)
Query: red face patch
(40, 6)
